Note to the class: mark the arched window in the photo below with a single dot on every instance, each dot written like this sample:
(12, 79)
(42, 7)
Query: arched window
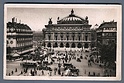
(86, 38)
(61, 45)
(86, 45)
(49, 44)
(79, 38)
(67, 45)
(56, 37)
(61, 35)
(73, 45)
(55, 45)
(67, 37)
(79, 45)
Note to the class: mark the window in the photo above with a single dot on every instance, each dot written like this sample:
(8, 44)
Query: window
(67, 37)
(56, 37)
(11, 42)
(79, 38)
(67, 45)
(73, 45)
(73, 38)
(86, 38)
(49, 37)
(61, 45)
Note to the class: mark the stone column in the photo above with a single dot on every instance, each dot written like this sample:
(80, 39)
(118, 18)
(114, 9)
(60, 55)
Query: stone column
(83, 46)
(76, 45)
(89, 36)
(51, 45)
(58, 45)
(53, 36)
(45, 45)
(58, 37)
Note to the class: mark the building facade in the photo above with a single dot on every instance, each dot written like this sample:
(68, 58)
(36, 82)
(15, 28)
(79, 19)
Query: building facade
(107, 32)
(70, 32)
(19, 38)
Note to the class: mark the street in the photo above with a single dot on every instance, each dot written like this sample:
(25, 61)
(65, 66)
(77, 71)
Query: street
(15, 69)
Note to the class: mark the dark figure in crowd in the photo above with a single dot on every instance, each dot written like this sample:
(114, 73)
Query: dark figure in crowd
(12, 72)
(21, 72)
(42, 72)
(16, 70)
(55, 70)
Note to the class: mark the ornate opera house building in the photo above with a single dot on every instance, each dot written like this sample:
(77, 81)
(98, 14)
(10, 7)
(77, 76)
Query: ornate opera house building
(19, 38)
(70, 32)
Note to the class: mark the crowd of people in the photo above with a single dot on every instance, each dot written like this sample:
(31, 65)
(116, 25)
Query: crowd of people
(58, 63)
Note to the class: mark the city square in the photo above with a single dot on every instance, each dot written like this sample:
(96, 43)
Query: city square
(74, 43)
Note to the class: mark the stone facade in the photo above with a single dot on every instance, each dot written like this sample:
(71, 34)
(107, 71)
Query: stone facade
(70, 32)
(107, 32)
(19, 38)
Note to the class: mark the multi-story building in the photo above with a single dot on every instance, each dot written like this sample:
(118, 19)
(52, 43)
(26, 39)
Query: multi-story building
(19, 38)
(70, 32)
(107, 32)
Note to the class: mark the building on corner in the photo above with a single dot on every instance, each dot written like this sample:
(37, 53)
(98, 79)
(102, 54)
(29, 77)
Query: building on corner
(19, 38)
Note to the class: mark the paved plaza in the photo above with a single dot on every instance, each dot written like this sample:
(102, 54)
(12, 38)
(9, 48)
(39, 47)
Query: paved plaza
(15, 69)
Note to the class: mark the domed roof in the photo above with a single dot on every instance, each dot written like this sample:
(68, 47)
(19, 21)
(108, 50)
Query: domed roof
(73, 19)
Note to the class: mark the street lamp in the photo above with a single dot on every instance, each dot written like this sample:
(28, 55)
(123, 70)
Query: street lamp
(59, 65)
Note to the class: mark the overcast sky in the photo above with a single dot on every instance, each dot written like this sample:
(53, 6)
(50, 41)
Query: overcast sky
(36, 18)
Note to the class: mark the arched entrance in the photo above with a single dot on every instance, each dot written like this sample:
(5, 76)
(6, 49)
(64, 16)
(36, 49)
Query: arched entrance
(55, 45)
(61, 45)
(79, 45)
(73, 45)
(67, 45)
(49, 44)
(86, 45)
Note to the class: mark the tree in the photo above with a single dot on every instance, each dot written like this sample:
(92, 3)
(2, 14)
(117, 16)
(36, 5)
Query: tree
(107, 52)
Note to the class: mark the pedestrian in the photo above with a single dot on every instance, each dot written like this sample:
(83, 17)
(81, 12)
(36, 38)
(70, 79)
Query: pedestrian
(55, 69)
(16, 70)
(9, 74)
(42, 72)
(21, 72)
(50, 72)
(31, 71)
(93, 73)
(89, 74)
(12, 72)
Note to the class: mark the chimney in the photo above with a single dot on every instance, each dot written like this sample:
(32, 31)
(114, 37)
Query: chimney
(13, 19)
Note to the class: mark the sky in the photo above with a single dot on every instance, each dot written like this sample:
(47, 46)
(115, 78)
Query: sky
(36, 17)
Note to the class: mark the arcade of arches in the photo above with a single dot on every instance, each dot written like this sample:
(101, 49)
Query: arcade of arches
(71, 31)
(67, 45)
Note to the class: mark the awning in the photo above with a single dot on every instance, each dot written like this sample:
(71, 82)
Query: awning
(32, 52)
(15, 55)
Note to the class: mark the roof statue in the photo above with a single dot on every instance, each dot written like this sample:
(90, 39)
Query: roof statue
(72, 12)
(50, 21)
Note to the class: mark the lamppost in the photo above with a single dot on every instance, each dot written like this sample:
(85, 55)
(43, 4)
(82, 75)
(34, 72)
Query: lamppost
(59, 65)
